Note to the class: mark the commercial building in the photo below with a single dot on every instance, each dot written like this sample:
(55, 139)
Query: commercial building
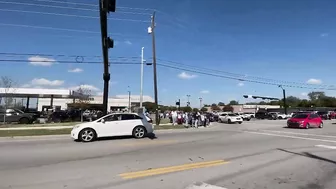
(61, 99)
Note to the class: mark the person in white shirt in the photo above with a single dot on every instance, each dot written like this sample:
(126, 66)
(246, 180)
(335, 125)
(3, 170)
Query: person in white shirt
(174, 117)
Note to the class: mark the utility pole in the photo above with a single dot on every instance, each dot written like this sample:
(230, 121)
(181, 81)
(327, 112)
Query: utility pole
(151, 30)
(141, 76)
(106, 6)
(200, 98)
(284, 98)
(188, 103)
(129, 101)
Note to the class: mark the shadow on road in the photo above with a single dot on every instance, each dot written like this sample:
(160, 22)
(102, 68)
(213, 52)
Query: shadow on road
(309, 155)
(150, 136)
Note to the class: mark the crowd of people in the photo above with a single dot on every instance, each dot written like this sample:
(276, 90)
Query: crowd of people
(189, 119)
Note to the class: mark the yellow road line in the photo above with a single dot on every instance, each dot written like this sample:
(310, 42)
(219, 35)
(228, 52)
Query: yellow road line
(137, 143)
(164, 170)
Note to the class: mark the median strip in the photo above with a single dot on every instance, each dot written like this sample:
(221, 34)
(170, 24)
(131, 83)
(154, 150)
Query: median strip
(165, 170)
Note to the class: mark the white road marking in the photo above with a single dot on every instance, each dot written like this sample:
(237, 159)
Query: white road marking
(326, 146)
(306, 134)
(294, 137)
(203, 185)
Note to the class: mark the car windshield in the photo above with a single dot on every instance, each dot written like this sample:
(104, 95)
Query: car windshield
(233, 114)
(301, 116)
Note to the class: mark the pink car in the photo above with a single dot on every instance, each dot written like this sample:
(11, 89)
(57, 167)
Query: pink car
(305, 120)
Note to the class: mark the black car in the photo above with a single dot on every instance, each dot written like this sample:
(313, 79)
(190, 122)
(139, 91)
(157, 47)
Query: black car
(323, 115)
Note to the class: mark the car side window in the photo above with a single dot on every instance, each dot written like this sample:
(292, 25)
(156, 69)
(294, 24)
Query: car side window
(127, 117)
(314, 116)
(114, 117)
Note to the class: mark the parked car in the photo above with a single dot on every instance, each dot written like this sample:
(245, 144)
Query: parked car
(324, 115)
(116, 124)
(261, 115)
(245, 117)
(305, 120)
(231, 118)
(16, 115)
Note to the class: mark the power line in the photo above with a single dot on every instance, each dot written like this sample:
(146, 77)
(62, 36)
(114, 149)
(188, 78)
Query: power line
(94, 5)
(67, 62)
(71, 15)
(64, 7)
(62, 55)
(241, 76)
(239, 79)
(62, 29)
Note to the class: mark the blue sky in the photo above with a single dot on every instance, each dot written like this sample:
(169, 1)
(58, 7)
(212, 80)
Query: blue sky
(277, 39)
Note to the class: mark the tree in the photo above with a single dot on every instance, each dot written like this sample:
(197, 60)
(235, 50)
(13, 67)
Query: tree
(150, 106)
(292, 101)
(86, 94)
(233, 102)
(204, 109)
(186, 109)
(214, 107)
(8, 87)
(195, 110)
(316, 95)
(221, 104)
(227, 108)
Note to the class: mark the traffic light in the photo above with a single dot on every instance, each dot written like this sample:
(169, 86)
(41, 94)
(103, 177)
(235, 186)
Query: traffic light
(245, 96)
(110, 42)
(255, 97)
(110, 5)
(177, 103)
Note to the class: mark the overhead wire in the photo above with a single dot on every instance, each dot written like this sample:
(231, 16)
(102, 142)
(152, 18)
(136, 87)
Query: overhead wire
(63, 29)
(67, 62)
(71, 15)
(242, 76)
(64, 7)
(239, 79)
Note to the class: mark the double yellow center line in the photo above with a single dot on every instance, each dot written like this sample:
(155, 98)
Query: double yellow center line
(164, 170)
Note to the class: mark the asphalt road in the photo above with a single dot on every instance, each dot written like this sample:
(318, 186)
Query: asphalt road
(256, 154)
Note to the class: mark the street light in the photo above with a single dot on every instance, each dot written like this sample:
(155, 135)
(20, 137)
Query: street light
(284, 98)
(129, 99)
(141, 76)
(188, 103)
(200, 98)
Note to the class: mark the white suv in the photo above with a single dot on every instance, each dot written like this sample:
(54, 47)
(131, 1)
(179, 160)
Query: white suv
(116, 124)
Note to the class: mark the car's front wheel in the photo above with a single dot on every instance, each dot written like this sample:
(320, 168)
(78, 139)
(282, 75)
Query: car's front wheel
(139, 132)
(24, 120)
(87, 135)
(321, 125)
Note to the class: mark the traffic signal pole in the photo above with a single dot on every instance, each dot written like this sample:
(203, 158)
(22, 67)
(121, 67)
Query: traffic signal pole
(106, 6)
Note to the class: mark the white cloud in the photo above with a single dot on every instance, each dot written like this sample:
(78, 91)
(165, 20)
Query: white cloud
(46, 82)
(304, 94)
(127, 42)
(205, 92)
(324, 34)
(85, 86)
(240, 84)
(185, 75)
(76, 70)
(314, 81)
(41, 61)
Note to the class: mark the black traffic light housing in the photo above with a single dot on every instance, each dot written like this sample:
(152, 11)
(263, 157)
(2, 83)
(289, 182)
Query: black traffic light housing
(109, 42)
(245, 96)
(110, 5)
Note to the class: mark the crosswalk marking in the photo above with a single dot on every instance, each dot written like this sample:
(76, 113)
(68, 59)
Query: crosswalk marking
(203, 185)
(326, 146)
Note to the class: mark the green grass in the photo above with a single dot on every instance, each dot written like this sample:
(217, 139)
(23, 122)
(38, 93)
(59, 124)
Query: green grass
(34, 132)
(40, 125)
(67, 131)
